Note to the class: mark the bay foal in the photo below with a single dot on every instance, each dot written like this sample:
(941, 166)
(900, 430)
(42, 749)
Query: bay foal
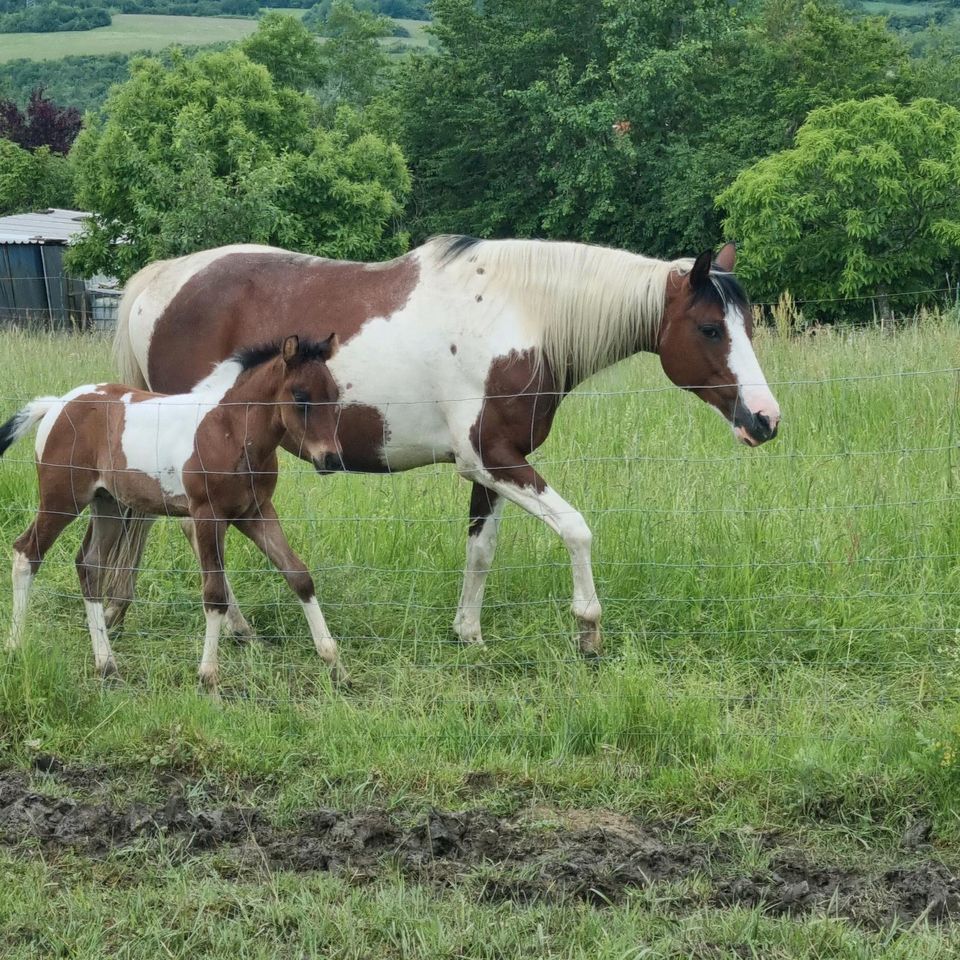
(210, 455)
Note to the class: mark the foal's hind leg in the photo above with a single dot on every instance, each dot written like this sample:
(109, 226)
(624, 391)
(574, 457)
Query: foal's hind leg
(105, 530)
(236, 622)
(265, 531)
(29, 550)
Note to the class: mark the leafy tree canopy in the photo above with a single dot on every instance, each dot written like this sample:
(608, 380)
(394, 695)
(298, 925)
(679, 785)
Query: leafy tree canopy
(32, 180)
(867, 200)
(210, 151)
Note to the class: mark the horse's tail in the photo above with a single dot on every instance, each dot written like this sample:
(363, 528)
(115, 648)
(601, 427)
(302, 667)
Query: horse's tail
(120, 565)
(24, 420)
(127, 364)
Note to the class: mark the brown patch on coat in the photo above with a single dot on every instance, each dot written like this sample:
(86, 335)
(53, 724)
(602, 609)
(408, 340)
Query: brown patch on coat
(247, 298)
(520, 401)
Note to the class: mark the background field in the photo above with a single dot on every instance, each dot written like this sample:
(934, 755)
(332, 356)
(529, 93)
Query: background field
(783, 660)
(134, 32)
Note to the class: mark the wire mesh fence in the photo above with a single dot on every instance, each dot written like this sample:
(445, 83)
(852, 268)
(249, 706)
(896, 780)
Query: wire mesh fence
(775, 592)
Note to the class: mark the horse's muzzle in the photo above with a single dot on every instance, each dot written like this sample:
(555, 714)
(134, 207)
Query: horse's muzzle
(754, 428)
(330, 462)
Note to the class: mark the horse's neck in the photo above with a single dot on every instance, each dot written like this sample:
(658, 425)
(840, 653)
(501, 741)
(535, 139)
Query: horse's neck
(589, 306)
(254, 401)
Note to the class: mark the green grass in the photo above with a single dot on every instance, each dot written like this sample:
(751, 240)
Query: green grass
(782, 626)
(128, 33)
(131, 33)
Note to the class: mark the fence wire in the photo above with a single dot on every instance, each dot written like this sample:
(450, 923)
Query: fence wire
(784, 647)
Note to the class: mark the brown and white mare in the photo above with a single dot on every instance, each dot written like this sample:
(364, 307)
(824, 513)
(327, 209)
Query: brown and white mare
(209, 454)
(460, 352)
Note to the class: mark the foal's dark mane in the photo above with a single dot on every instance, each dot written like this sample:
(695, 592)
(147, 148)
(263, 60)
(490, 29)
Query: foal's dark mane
(250, 357)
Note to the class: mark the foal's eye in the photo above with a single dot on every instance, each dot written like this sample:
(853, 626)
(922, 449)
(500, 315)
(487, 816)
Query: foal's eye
(712, 332)
(302, 399)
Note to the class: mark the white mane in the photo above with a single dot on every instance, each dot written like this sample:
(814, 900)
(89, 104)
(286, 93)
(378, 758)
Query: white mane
(591, 305)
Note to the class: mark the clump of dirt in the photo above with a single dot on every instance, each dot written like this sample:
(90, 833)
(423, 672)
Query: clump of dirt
(593, 856)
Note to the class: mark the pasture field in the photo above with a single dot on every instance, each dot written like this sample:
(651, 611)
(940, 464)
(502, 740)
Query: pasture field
(133, 33)
(766, 763)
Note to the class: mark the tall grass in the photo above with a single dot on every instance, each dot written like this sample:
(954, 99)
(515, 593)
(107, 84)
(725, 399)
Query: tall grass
(781, 624)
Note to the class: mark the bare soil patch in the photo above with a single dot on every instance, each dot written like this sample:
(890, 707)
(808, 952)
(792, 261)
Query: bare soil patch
(540, 854)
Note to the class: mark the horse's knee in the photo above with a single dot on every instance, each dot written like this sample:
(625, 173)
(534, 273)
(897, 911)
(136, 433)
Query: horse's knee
(215, 595)
(302, 584)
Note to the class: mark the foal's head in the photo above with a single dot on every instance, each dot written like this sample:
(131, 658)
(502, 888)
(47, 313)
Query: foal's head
(705, 346)
(308, 398)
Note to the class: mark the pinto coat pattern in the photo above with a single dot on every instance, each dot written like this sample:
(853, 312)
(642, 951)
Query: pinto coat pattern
(458, 352)
(209, 455)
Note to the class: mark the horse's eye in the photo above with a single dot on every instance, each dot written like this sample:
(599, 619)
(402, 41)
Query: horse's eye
(302, 398)
(711, 332)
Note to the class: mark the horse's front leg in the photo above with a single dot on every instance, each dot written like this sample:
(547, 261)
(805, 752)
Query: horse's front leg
(265, 531)
(514, 479)
(486, 507)
(210, 535)
(236, 622)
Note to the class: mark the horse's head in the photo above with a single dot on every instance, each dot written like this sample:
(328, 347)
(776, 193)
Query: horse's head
(705, 346)
(309, 399)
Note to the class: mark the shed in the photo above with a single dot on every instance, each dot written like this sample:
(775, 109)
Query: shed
(34, 288)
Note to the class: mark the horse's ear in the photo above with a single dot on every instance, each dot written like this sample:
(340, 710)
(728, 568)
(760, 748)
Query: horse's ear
(291, 347)
(700, 273)
(727, 257)
(330, 346)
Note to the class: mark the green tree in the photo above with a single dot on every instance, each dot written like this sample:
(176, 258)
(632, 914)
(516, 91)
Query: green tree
(33, 180)
(866, 202)
(354, 60)
(210, 151)
(287, 49)
(618, 122)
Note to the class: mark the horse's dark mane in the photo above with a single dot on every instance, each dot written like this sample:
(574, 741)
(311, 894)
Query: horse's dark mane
(250, 357)
(724, 288)
(454, 246)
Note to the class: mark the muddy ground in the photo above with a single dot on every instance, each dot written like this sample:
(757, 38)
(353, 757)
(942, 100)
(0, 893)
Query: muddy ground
(536, 855)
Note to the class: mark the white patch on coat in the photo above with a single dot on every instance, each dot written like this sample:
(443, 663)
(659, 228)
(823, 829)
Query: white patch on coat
(742, 361)
(159, 433)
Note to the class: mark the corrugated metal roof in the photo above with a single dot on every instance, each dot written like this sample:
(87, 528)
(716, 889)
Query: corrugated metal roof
(46, 226)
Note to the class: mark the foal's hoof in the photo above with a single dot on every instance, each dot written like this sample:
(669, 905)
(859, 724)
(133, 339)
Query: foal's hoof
(244, 635)
(340, 678)
(590, 643)
(469, 637)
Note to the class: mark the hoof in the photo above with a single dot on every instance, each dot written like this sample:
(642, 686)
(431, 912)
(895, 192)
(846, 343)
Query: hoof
(589, 641)
(210, 682)
(469, 637)
(113, 615)
(109, 671)
(244, 635)
(340, 678)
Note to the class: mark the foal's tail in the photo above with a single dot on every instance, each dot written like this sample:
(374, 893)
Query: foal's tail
(25, 420)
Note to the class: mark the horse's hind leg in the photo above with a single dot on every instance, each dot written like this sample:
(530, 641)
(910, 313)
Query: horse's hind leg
(486, 507)
(29, 550)
(103, 533)
(265, 531)
(236, 622)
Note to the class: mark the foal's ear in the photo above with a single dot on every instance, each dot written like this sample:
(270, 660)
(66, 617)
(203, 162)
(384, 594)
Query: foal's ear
(700, 272)
(291, 347)
(727, 257)
(330, 346)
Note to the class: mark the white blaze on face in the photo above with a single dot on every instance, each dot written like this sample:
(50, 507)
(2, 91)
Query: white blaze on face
(742, 361)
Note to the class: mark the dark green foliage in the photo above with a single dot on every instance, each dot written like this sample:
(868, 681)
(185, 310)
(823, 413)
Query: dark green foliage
(17, 16)
(32, 180)
(190, 8)
(398, 9)
(83, 81)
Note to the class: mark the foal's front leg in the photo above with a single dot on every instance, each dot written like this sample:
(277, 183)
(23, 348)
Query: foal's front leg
(265, 531)
(210, 535)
